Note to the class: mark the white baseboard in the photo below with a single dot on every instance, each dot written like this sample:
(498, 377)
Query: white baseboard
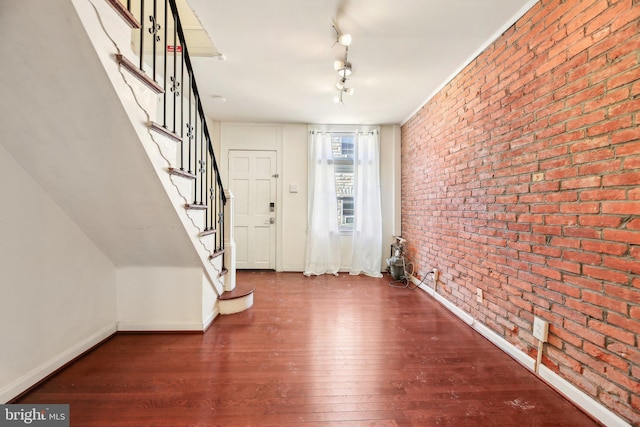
(32, 377)
(564, 387)
(209, 320)
(580, 399)
(159, 326)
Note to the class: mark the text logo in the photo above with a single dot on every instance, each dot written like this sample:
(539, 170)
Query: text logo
(34, 415)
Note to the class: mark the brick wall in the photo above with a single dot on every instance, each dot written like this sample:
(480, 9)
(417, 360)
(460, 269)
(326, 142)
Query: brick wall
(522, 178)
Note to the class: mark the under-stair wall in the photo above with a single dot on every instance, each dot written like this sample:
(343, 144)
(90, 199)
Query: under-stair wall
(111, 37)
(95, 236)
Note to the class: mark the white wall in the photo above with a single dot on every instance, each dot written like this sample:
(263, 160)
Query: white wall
(290, 141)
(159, 298)
(58, 289)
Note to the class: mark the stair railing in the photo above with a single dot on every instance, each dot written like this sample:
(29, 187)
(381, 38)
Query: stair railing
(168, 64)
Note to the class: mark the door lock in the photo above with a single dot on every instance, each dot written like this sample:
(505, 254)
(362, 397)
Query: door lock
(272, 207)
(272, 220)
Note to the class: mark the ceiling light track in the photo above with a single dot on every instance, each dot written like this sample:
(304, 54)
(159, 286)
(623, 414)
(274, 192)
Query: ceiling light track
(343, 67)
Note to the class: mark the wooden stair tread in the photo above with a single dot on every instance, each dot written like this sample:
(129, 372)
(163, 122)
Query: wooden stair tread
(124, 13)
(195, 206)
(240, 291)
(208, 232)
(182, 173)
(136, 72)
(164, 131)
(217, 253)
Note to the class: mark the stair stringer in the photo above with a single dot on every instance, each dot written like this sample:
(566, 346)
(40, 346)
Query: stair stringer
(110, 35)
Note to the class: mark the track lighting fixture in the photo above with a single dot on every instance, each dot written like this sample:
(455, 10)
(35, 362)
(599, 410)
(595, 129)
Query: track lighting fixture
(342, 39)
(343, 67)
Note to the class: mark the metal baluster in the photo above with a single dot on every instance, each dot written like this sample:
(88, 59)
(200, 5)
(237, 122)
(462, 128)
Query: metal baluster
(181, 106)
(189, 126)
(164, 55)
(212, 199)
(203, 163)
(155, 38)
(142, 35)
(196, 169)
(216, 187)
(221, 223)
(175, 84)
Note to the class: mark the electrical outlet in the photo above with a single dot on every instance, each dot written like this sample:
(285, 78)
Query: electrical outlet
(540, 329)
(479, 295)
(436, 274)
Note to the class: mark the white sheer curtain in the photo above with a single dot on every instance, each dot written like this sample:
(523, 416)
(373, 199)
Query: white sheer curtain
(323, 236)
(367, 230)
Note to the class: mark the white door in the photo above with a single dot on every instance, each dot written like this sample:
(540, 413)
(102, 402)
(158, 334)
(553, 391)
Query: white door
(252, 179)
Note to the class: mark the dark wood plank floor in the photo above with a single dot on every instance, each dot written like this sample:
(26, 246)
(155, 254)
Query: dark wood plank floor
(329, 351)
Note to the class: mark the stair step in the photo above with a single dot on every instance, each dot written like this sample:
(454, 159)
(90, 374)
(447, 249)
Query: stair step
(136, 72)
(182, 173)
(195, 206)
(208, 232)
(241, 291)
(216, 254)
(164, 131)
(124, 13)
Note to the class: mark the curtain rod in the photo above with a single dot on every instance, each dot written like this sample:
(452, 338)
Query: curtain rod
(371, 132)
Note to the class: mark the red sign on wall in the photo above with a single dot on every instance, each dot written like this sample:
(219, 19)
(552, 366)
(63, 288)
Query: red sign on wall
(172, 48)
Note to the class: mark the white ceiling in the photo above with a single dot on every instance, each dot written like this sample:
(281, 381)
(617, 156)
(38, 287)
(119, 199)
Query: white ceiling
(280, 54)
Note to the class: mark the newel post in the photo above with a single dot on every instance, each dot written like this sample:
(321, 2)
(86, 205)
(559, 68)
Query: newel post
(229, 243)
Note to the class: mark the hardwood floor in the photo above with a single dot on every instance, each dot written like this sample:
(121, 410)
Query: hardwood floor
(329, 351)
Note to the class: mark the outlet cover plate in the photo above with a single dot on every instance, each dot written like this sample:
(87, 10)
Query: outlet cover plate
(540, 329)
(479, 295)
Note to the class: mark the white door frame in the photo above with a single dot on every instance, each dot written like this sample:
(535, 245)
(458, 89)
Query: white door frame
(257, 221)
(253, 136)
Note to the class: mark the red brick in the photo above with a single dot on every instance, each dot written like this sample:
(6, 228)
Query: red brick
(625, 135)
(624, 108)
(624, 322)
(605, 274)
(632, 237)
(564, 196)
(589, 144)
(624, 78)
(621, 208)
(627, 178)
(586, 333)
(560, 219)
(522, 176)
(582, 257)
(608, 194)
(625, 265)
(611, 97)
(589, 309)
(582, 182)
(625, 293)
(561, 265)
(604, 247)
(561, 173)
(582, 232)
(614, 332)
(580, 208)
(586, 120)
(564, 289)
(593, 156)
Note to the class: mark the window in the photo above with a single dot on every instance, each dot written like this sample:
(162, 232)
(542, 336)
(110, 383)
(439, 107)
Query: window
(343, 148)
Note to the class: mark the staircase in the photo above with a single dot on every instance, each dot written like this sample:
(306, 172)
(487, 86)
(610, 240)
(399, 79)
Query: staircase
(143, 50)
